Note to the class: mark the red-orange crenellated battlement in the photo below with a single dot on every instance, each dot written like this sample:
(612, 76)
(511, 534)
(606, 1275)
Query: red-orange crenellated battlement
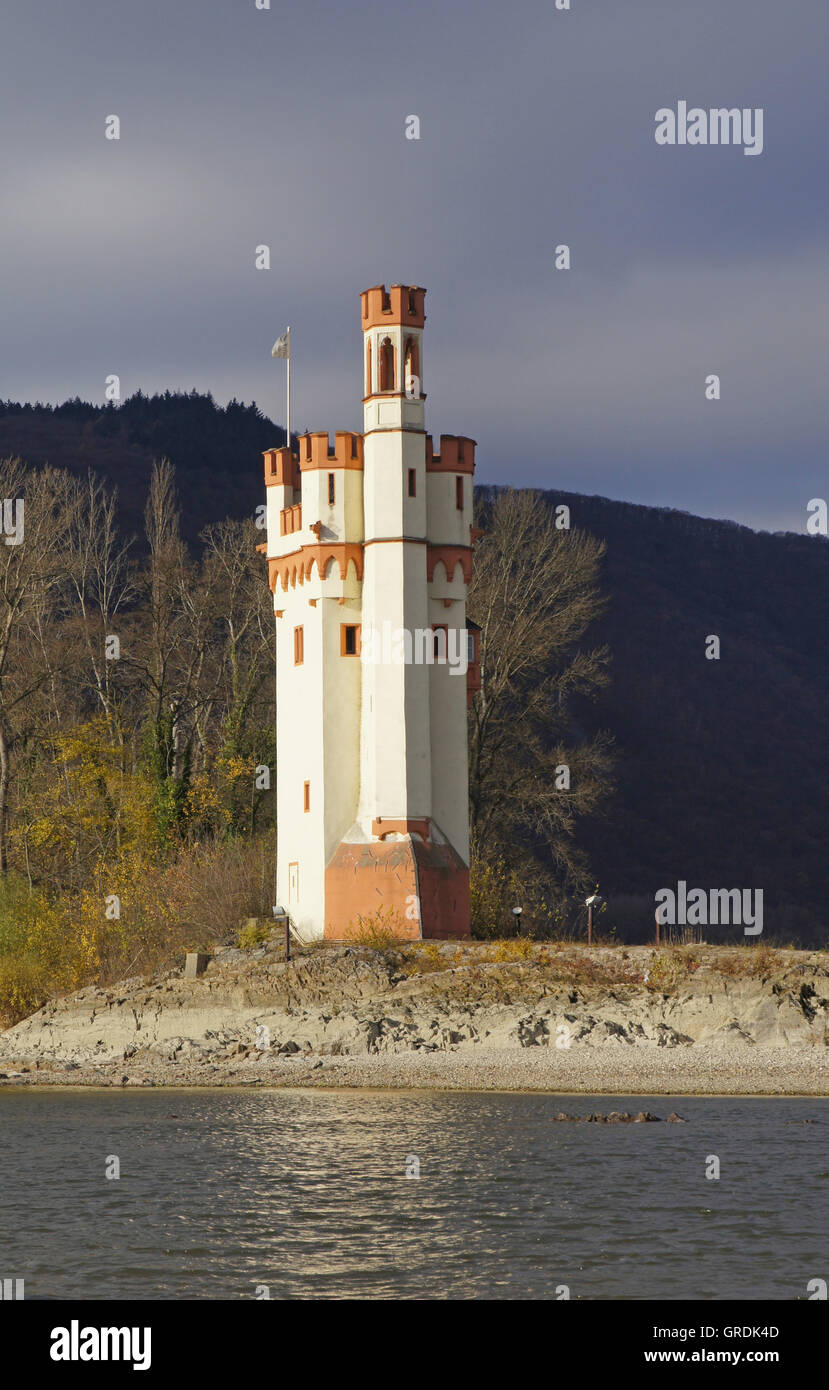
(457, 454)
(281, 468)
(399, 304)
(315, 450)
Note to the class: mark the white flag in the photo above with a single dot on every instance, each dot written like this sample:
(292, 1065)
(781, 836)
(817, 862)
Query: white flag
(282, 346)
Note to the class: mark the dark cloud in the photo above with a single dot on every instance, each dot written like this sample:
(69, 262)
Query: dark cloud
(285, 127)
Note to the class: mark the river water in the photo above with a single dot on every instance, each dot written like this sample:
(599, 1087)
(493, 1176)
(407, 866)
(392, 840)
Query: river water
(227, 1194)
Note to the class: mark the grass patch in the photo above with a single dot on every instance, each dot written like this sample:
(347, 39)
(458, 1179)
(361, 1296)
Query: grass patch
(379, 931)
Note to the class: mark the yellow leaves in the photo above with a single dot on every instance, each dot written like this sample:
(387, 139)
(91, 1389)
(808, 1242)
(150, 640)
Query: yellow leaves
(87, 749)
(133, 914)
(39, 833)
(23, 989)
(234, 768)
(513, 949)
(203, 804)
(87, 802)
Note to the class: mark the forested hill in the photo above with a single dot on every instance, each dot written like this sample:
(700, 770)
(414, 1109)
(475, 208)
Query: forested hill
(721, 765)
(217, 451)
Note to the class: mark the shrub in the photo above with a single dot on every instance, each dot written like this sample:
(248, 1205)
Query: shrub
(513, 949)
(379, 931)
(163, 911)
(253, 934)
(666, 971)
(24, 988)
(18, 906)
(425, 958)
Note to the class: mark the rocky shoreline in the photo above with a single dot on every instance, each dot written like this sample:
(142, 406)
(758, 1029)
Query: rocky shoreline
(600, 1021)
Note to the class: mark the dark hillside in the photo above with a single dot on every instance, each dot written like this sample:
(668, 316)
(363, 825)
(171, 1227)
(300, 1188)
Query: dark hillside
(723, 769)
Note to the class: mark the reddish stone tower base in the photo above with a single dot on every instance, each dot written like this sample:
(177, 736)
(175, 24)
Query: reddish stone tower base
(397, 875)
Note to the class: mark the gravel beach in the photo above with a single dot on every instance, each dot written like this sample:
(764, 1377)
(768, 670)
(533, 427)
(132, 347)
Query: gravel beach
(601, 1020)
(707, 1071)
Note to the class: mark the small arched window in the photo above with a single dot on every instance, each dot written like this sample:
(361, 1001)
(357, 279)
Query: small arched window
(368, 368)
(412, 361)
(386, 365)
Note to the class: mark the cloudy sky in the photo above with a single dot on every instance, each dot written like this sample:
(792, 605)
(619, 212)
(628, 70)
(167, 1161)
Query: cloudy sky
(286, 127)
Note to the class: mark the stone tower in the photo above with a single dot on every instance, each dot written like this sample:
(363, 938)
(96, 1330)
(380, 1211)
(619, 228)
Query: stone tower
(369, 556)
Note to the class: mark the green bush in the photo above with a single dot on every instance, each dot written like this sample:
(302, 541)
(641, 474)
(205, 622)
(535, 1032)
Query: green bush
(254, 934)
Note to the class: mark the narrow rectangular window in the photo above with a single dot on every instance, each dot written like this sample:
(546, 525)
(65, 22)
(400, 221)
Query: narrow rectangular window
(470, 648)
(412, 482)
(440, 639)
(331, 492)
(306, 796)
(349, 639)
(299, 646)
(459, 493)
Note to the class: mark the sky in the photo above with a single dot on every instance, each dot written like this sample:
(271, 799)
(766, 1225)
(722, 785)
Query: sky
(286, 127)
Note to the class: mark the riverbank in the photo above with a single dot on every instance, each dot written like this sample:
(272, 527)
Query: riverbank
(478, 1016)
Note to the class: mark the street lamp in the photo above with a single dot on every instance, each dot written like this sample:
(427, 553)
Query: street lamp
(595, 900)
(516, 915)
(281, 915)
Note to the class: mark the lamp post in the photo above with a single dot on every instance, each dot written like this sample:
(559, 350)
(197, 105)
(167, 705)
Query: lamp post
(516, 916)
(280, 913)
(593, 901)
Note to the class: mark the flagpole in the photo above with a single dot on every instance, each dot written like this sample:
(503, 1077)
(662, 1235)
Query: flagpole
(281, 348)
(288, 408)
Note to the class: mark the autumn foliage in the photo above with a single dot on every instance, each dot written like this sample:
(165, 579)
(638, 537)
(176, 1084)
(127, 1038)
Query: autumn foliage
(136, 737)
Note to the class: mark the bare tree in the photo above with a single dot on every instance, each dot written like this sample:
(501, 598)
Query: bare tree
(534, 593)
(205, 650)
(232, 573)
(169, 652)
(33, 583)
(102, 587)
